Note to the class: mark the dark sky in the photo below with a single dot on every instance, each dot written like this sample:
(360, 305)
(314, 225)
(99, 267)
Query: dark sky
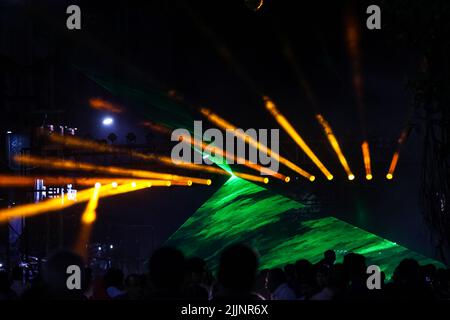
(158, 41)
(157, 44)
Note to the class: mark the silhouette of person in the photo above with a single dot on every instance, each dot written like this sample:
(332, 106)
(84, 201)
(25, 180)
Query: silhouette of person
(237, 273)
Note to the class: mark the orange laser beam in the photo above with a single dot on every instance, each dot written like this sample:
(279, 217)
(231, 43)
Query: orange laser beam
(33, 209)
(101, 104)
(88, 217)
(393, 165)
(284, 123)
(99, 147)
(366, 157)
(396, 156)
(82, 166)
(335, 145)
(236, 159)
(218, 121)
(252, 177)
(24, 181)
(156, 127)
(89, 214)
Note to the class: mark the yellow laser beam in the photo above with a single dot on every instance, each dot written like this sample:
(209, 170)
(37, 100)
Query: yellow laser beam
(76, 142)
(285, 124)
(393, 165)
(100, 147)
(252, 177)
(236, 159)
(87, 219)
(89, 214)
(218, 121)
(24, 181)
(32, 209)
(83, 166)
(396, 156)
(366, 157)
(335, 145)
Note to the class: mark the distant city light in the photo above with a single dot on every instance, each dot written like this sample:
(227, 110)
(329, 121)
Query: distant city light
(107, 121)
(8, 132)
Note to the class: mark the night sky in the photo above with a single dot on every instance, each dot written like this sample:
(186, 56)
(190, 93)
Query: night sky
(158, 44)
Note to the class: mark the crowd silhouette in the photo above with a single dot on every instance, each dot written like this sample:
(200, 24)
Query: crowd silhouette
(172, 276)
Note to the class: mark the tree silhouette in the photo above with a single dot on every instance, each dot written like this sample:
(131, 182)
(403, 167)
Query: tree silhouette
(112, 137)
(425, 27)
(131, 137)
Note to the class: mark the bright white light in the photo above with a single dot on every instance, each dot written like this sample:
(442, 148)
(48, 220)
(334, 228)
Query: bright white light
(8, 132)
(111, 247)
(108, 121)
(1, 265)
(99, 248)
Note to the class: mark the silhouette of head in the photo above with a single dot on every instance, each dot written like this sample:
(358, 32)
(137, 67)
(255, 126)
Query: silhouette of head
(114, 278)
(407, 272)
(355, 265)
(329, 256)
(337, 278)
(55, 276)
(304, 271)
(237, 269)
(289, 271)
(274, 278)
(167, 268)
